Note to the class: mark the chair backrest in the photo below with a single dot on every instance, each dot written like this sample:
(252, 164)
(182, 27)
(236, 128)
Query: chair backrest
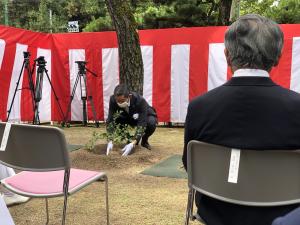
(265, 178)
(35, 148)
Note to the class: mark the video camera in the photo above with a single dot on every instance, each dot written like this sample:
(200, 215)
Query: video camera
(26, 55)
(81, 66)
(81, 62)
(40, 61)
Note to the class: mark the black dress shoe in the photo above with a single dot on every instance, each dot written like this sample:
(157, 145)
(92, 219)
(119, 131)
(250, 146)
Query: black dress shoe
(146, 145)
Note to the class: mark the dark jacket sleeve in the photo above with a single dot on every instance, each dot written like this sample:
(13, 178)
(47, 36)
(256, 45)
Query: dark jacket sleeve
(142, 110)
(187, 136)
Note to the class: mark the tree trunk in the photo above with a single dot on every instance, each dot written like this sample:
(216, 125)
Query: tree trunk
(224, 12)
(235, 10)
(130, 56)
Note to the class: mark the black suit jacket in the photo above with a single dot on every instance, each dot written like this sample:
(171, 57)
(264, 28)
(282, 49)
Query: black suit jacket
(137, 115)
(244, 113)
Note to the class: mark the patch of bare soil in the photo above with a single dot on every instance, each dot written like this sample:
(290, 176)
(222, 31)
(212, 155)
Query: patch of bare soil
(134, 199)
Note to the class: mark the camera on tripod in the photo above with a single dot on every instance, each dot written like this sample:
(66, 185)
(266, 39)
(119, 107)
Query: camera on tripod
(26, 55)
(35, 88)
(81, 79)
(81, 66)
(40, 61)
(83, 63)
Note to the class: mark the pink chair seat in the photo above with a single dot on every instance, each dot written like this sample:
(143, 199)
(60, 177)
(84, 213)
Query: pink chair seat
(49, 183)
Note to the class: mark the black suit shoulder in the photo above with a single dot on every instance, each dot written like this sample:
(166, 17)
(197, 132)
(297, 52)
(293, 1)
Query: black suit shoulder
(140, 103)
(246, 113)
(136, 99)
(288, 94)
(199, 104)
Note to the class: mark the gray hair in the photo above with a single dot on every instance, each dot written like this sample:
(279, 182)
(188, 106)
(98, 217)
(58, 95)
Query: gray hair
(254, 42)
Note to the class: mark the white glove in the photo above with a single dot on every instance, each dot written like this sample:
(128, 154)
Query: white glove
(110, 146)
(127, 149)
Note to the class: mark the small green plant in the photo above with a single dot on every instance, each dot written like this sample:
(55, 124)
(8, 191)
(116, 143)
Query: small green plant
(95, 137)
(119, 134)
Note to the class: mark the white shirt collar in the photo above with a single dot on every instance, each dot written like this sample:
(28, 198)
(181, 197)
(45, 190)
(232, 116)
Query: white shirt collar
(250, 73)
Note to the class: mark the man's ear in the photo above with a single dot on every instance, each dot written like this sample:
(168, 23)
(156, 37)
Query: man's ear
(227, 57)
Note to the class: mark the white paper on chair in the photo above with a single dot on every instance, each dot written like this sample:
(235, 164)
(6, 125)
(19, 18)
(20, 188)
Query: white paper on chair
(5, 136)
(234, 165)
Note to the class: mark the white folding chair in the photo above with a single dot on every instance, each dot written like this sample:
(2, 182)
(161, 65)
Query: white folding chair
(265, 178)
(42, 155)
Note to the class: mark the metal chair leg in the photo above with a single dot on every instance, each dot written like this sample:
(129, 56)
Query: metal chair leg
(47, 211)
(66, 190)
(107, 206)
(189, 206)
(192, 204)
(65, 209)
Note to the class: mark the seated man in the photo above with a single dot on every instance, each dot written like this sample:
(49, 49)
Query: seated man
(250, 111)
(136, 112)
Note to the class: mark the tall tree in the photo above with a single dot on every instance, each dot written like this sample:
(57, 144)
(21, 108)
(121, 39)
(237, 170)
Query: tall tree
(224, 12)
(130, 56)
(235, 10)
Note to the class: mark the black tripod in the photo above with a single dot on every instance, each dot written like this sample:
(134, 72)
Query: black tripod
(41, 64)
(25, 65)
(85, 95)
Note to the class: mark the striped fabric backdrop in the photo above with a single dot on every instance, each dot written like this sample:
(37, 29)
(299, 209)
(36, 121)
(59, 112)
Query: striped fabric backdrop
(179, 64)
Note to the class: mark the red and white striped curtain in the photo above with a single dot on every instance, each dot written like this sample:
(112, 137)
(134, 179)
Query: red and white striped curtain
(179, 64)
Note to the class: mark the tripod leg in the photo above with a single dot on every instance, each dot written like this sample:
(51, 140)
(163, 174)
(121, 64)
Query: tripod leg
(83, 93)
(84, 114)
(15, 92)
(56, 98)
(90, 98)
(31, 87)
(71, 99)
(36, 119)
(38, 93)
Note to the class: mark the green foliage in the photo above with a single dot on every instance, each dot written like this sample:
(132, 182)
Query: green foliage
(287, 11)
(17, 12)
(93, 15)
(100, 24)
(119, 134)
(147, 16)
(255, 6)
(176, 13)
(35, 14)
(95, 137)
(40, 20)
(84, 11)
(283, 11)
